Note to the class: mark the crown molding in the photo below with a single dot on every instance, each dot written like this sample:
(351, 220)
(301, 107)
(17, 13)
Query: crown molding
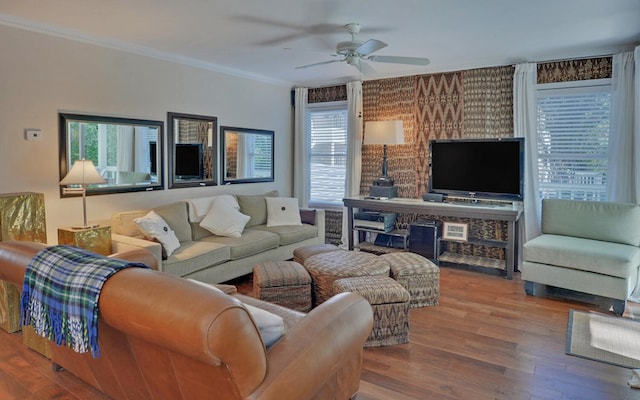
(69, 34)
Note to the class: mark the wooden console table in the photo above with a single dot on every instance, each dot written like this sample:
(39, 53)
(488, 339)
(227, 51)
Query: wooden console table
(511, 213)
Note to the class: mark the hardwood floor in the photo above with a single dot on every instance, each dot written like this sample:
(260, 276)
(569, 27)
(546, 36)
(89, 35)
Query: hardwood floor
(485, 340)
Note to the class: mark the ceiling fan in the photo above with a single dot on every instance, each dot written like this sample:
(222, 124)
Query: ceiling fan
(354, 51)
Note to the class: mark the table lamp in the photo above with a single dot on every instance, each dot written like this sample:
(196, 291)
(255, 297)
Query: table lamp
(384, 133)
(83, 173)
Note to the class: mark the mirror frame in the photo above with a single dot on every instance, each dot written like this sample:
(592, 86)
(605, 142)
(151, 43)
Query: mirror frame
(64, 145)
(223, 144)
(174, 181)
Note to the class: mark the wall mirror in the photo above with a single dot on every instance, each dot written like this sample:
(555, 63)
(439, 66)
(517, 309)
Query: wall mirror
(126, 152)
(192, 150)
(247, 155)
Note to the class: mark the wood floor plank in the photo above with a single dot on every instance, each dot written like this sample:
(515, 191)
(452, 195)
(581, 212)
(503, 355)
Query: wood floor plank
(486, 339)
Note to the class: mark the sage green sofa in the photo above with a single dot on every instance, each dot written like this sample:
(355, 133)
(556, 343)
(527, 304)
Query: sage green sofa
(210, 258)
(591, 249)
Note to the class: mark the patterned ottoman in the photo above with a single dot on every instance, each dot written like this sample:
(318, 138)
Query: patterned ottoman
(285, 283)
(302, 253)
(325, 268)
(418, 275)
(390, 304)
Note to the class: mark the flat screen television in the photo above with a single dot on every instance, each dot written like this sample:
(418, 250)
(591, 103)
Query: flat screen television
(188, 161)
(478, 168)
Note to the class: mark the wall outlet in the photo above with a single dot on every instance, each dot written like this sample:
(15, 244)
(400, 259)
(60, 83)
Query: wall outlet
(32, 134)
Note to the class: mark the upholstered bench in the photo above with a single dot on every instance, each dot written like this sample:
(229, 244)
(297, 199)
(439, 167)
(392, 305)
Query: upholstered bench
(285, 283)
(418, 275)
(302, 253)
(325, 268)
(390, 303)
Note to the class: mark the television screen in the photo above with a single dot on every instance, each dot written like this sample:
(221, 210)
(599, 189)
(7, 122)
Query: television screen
(483, 168)
(188, 163)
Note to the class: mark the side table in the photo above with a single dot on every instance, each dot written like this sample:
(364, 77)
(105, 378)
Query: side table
(96, 239)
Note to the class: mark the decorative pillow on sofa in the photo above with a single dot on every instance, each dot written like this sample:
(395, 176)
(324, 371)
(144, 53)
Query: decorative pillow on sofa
(154, 226)
(282, 211)
(224, 217)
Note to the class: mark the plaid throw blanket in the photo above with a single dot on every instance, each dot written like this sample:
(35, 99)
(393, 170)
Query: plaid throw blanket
(60, 294)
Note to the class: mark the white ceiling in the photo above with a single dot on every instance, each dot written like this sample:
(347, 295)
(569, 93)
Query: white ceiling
(267, 39)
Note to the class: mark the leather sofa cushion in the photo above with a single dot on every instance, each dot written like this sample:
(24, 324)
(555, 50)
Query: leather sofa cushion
(194, 256)
(251, 242)
(290, 234)
(597, 256)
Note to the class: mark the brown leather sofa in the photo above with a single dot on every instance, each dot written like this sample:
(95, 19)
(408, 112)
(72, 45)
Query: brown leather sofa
(164, 337)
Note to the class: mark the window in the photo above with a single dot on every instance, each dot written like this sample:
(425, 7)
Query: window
(327, 130)
(573, 139)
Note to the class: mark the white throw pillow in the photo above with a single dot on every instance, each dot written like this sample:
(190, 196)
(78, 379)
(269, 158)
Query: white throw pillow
(282, 211)
(224, 217)
(155, 226)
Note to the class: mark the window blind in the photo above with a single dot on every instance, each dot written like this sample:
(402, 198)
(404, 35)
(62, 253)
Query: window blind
(327, 127)
(573, 140)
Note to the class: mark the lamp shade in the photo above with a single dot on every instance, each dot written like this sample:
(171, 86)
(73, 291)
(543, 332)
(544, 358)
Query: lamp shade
(383, 132)
(82, 173)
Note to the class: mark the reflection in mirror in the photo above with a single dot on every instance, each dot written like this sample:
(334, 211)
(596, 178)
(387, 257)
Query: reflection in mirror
(126, 152)
(192, 150)
(248, 155)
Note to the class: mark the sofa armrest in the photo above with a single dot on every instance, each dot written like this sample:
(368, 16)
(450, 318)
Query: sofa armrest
(121, 243)
(312, 352)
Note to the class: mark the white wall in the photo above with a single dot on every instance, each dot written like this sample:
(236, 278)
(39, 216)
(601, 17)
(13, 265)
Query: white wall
(41, 75)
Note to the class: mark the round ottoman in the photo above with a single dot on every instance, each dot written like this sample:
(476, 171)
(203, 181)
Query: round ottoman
(302, 253)
(389, 302)
(325, 268)
(285, 283)
(418, 275)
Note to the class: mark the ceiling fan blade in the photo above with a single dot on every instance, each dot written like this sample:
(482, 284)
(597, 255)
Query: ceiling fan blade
(320, 63)
(400, 60)
(370, 46)
(365, 68)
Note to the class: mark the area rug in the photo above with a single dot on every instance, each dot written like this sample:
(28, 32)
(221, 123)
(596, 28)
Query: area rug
(604, 338)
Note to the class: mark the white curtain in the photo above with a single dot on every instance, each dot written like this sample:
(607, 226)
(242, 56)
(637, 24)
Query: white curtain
(301, 149)
(524, 123)
(354, 151)
(126, 143)
(623, 177)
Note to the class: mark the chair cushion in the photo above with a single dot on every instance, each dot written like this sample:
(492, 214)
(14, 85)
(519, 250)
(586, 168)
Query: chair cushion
(598, 220)
(290, 233)
(606, 258)
(251, 242)
(195, 256)
(255, 206)
(177, 217)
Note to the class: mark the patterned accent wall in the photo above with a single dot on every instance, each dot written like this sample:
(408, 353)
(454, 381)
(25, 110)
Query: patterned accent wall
(439, 115)
(382, 100)
(192, 131)
(574, 70)
(488, 103)
(327, 94)
(333, 227)
(231, 156)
